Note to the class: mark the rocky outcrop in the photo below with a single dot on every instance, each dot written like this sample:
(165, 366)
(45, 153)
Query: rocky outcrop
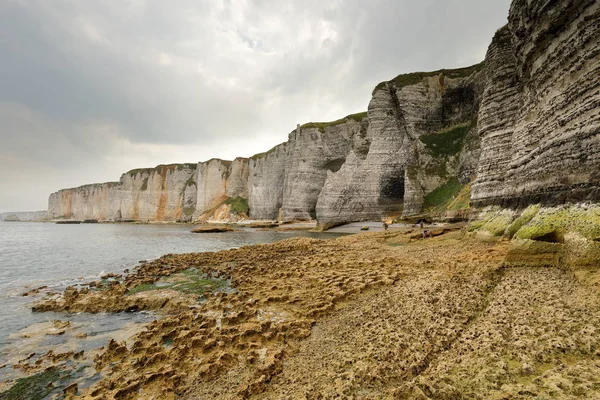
(163, 193)
(540, 120)
(265, 182)
(218, 180)
(315, 153)
(418, 125)
(24, 216)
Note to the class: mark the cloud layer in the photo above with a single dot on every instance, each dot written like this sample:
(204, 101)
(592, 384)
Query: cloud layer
(90, 89)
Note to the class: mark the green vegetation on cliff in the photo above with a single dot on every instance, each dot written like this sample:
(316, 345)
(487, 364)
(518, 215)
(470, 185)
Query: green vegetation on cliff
(266, 153)
(443, 195)
(136, 171)
(413, 78)
(358, 117)
(447, 142)
(178, 167)
(239, 205)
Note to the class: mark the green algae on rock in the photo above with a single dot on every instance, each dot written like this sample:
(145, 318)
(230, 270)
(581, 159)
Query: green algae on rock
(34, 387)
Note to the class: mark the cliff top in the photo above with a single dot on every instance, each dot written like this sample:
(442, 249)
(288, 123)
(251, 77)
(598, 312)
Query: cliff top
(161, 166)
(89, 185)
(266, 153)
(322, 125)
(413, 78)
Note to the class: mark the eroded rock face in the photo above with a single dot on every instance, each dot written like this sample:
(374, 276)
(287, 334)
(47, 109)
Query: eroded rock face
(153, 194)
(540, 118)
(393, 172)
(158, 194)
(313, 155)
(265, 182)
(84, 202)
(355, 192)
(217, 180)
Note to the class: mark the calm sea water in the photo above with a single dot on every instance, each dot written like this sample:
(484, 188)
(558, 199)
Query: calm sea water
(36, 254)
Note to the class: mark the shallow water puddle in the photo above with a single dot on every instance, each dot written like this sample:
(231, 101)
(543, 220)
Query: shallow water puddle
(189, 281)
(51, 356)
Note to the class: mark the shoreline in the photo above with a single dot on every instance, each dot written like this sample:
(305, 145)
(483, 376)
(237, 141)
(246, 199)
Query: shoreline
(300, 309)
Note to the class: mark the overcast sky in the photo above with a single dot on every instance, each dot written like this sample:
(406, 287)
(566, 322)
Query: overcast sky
(90, 89)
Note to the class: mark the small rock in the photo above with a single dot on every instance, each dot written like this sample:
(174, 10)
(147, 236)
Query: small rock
(211, 229)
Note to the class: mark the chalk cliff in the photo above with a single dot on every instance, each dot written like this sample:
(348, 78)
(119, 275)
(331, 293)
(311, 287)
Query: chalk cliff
(522, 127)
(418, 124)
(540, 114)
(84, 202)
(150, 194)
(265, 182)
(24, 216)
(218, 180)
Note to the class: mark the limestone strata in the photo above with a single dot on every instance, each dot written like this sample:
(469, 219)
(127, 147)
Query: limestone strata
(540, 113)
(314, 154)
(164, 193)
(217, 180)
(395, 170)
(84, 202)
(523, 127)
(265, 182)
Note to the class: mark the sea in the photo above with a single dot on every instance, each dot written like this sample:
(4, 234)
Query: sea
(46, 254)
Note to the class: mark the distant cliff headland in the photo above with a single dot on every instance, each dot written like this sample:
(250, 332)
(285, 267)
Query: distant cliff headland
(522, 127)
(24, 216)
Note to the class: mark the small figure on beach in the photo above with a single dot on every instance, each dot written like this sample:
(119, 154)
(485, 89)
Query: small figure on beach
(421, 224)
(426, 233)
(385, 226)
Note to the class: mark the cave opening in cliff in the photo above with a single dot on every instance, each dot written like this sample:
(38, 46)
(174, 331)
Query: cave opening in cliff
(335, 165)
(458, 104)
(392, 189)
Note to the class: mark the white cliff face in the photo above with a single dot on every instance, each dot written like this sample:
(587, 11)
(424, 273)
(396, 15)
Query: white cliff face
(523, 126)
(153, 194)
(218, 180)
(313, 153)
(211, 182)
(84, 202)
(400, 162)
(237, 184)
(371, 182)
(157, 194)
(265, 183)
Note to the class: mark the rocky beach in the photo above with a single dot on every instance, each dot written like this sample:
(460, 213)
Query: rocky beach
(486, 310)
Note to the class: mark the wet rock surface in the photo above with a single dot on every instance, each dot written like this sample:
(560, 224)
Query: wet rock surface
(376, 315)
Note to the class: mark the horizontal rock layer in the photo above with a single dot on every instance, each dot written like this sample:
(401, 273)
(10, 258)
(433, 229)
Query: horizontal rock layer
(540, 114)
